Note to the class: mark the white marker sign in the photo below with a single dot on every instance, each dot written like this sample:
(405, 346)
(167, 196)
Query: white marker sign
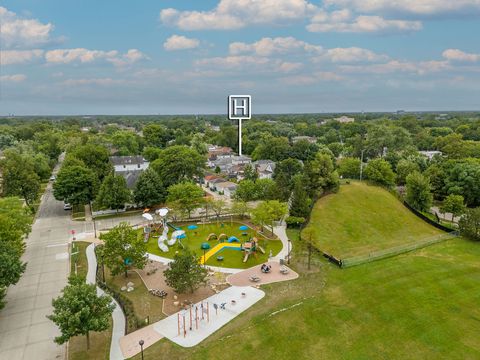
(239, 108)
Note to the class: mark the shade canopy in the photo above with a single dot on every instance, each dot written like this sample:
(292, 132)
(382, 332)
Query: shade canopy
(192, 227)
(205, 246)
(243, 227)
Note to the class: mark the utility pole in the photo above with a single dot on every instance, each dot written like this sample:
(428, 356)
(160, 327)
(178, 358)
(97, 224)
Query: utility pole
(361, 165)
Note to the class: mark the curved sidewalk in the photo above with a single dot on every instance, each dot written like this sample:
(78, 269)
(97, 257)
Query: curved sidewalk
(281, 232)
(118, 317)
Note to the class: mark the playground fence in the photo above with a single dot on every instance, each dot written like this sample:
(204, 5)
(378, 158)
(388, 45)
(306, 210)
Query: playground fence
(394, 251)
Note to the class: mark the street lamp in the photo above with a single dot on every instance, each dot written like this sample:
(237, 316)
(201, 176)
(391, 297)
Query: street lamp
(141, 342)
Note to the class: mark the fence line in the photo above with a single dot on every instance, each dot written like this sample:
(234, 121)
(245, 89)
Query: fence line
(397, 250)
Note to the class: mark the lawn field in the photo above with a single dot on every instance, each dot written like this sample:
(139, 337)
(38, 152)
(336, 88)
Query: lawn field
(419, 305)
(232, 258)
(361, 219)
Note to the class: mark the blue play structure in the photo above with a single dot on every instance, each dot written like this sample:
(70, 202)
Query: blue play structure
(233, 239)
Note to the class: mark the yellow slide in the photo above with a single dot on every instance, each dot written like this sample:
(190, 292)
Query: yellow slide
(217, 248)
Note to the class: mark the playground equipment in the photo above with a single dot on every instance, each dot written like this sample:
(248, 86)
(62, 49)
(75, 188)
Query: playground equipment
(212, 236)
(250, 247)
(186, 318)
(222, 237)
(177, 234)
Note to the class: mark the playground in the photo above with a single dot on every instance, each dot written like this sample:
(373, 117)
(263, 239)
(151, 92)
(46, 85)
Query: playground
(226, 244)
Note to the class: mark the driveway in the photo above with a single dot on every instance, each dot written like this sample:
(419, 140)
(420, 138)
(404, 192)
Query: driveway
(25, 332)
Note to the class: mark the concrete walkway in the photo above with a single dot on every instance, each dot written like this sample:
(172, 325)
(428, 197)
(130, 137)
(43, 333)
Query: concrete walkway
(118, 317)
(281, 232)
(166, 261)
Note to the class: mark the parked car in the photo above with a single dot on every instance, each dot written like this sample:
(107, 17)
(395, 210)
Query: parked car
(67, 206)
(52, 178)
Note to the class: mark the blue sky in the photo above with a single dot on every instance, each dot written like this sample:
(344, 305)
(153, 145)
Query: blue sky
(185, 57)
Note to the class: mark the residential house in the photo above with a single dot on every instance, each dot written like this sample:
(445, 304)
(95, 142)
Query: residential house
(430, 153)
(345, 119)
(310, 139)
(226, 188)
(264, 168)
(130, 167)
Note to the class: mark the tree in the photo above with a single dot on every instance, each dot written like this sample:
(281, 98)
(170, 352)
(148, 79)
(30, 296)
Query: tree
(380, 171)
(178, 163)
(266, 189)
(469, 224)
(186, 195)
(320, 175)
(75, 185)
(300, 205)
(304, 150)
(240, 208)
(218, 207)
(349, 168)
(418, 191)
(285, 170)
(126, 143)
(123, 249)
(19, 177)
(80, 310)
(185, 273)
(156, 135)
(246, 191)
(198, 144)
(113, 193)
(273, 148)
(404, 168)
(149, 190)
(453, 204)
(151, 153)
(95, 158)
(15, 223)
(267, 212)
(463, 179)
(249, 173)
(41, 166)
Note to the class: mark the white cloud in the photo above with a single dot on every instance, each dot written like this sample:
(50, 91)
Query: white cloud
(459, 55)
(236, 14)
(18, 32)
(269, 46)
(249, 63)
(322, 76)
(67, 56)
(416, 7)
(179, 42)
(9, 57)
(130, 57)
(13, 78)
(397, 66)
(93, 81)
(353, 54)
(342, 21)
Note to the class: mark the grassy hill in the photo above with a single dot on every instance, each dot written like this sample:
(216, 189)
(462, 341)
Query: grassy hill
(420, 305)
(361, 218)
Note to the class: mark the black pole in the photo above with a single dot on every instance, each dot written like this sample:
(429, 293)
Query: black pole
(288, 255)
(141, 342)
(204, 260)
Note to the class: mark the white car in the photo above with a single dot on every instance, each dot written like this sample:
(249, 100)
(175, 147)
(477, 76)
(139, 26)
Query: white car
(67, 206)
(52, 178)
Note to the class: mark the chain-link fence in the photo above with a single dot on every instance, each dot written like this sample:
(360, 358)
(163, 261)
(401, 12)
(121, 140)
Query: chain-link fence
(397, 250)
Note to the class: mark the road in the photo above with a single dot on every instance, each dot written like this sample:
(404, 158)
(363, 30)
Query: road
(25, 332)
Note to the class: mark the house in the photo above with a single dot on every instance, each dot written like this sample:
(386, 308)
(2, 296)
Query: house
(310, 139)
(207, 180)
(218, 152)
(430, 153)
(231, 166)
(129, 163)
(264, 168)
(130, 167)
(344, 119)
(227, 188)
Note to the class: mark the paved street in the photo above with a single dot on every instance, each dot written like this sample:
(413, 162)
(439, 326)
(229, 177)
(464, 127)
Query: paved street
(25, 332)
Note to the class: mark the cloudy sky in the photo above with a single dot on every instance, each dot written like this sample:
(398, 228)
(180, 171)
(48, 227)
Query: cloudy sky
(185, 57)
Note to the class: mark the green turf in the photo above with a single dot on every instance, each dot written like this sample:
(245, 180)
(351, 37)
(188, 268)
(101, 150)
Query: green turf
(420, 305)
(232, 258)
(360, 219)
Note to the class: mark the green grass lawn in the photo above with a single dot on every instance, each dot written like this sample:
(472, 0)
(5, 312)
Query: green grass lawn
(99, 341)
(232, 258)
(420, 305)
(361, 218)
